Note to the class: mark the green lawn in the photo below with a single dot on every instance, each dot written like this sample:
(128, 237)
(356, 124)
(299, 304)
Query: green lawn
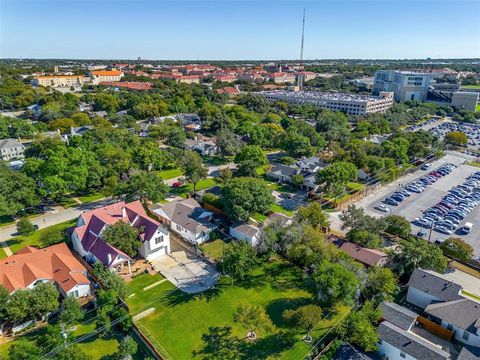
(2, 253)
(355, 186)
(477, 108)
(170, 173)
(259, 217)
(179, 320)
(281, 209)
(471, 87)
(188, 188)
(67, 202)
(90, 197)
(213, 249)
(19, 242)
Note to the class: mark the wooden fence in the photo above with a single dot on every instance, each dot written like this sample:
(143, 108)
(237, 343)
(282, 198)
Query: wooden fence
(435, 329)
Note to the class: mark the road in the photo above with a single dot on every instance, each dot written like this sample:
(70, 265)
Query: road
(56, 216)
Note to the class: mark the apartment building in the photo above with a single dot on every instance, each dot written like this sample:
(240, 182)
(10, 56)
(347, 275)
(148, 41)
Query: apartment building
(60, 80)
(348, 103)
(99, 76)
(406, 85)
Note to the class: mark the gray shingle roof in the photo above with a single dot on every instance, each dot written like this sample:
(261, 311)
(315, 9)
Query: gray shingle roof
(434, 285)
(284, 170)
(409, 343)
(350, 352)
(247, 229)
(9, 143)
(462, 313)
(469, 353)
(398, 315)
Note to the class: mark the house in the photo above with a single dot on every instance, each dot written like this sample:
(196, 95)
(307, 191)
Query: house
(461, 316)
(188, 219)
(205, 147)
(350, 352)
(282, 219)
(368, 257)
(11, 149)
(190, 122)
(401, 338)
(56, 264)
(80, 130)
(282, 173)
(310, 165)
(425, 288)
(247, 232)
(87, 235)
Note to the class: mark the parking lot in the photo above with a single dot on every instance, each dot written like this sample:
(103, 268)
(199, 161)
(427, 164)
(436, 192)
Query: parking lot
(413, 206)
(471, 130)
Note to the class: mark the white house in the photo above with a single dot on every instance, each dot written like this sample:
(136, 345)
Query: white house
(247, 232)
(188, 219)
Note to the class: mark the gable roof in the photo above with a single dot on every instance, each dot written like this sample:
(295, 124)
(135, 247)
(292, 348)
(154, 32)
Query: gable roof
(9, 143)
(106, 72)
(409, 343)
(463, 313)
(398, 315)
(95, 220)
(246, 229)
(366, 256)
(350, 352)
(55, 263)
(469, 353)
(434, 285)
(284, 170)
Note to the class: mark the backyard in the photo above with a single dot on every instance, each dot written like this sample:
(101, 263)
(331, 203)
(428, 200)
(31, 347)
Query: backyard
(179, 320)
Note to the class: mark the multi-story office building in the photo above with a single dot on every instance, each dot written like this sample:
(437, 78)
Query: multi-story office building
(465, 99)
(348, 103)
(60, 80)
(405, 85)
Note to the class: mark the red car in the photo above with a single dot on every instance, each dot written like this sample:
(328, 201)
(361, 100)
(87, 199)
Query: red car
(177, 184)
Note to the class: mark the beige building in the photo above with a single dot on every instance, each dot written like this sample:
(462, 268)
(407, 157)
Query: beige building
(465, 99)
(348, 103)
(11, 149)
(60, 80)
(282, 78)
(99, 76)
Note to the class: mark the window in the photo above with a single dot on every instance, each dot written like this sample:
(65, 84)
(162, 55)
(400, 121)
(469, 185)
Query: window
(159, 240)
(449, 327)
(179, 228)
(466, 335)
(403, 355)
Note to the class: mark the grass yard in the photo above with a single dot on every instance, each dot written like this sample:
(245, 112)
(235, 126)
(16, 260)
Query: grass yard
(477, 108)
(19, 242)
(88, 198)
(258, 217)
(213, 249)
(179, 320)
(188, 188)
(67, 202)
(3, 255)
(170, 173)
(281, 209)
(355, 186)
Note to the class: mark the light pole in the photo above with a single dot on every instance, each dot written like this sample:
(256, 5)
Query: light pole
(431, 229)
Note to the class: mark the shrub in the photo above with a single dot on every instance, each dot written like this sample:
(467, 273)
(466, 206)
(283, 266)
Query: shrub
(52, 236)
(25, 227)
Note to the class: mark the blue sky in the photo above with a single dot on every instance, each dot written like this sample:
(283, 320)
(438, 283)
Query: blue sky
(204, 30)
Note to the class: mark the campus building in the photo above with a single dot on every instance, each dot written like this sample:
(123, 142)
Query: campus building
(60, 80)
(405, 85)
(348, 103)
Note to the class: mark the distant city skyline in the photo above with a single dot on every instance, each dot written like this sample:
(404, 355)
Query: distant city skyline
(239, 30)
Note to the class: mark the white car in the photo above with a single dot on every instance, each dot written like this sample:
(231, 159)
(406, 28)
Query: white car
(382, 208)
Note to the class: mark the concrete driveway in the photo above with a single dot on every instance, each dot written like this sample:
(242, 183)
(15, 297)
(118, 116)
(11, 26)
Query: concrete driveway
(186, 271)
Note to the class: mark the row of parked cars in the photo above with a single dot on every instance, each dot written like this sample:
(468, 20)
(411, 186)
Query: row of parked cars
(422, 124)
(471, 130)
(418, 186)
(446, 216)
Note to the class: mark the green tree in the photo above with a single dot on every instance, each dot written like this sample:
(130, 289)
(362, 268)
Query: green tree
(356, 219)
(125, 319)
(17, 307)
(24, 350)
(227, 142)
(397, 225)
(304, 318)
(313, 215)
(381, 284)
(128, 346)
(124, 237)
(456, 138)
(365, 238)
(110, 281)
(360, 328)
(457, 248)
(335, 284)
(243, 196)
(44, 299)
(72, 352)
(4, 295)
(334, 178)
(146, 186)
(24, 226)
(193, 168)
(253, 318)
(52, 236)
(297, 180)
(71, 311)
(238, 259)
(17, 191)
(253, 153)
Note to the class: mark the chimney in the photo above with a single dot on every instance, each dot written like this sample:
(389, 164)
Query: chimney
(124, 212)
(109, 258)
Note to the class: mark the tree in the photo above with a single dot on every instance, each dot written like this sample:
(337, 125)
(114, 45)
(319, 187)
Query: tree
(360, 328)
(128, 346)
(246, 168)
(25, 227)
(17, 191)
(146, 186)
(71, 311)
(103, 321)
(4, 295)
(52, 236)
(110, 281)
(228, 143)
(334, 178)
(335, 283)
(415, 253)
(365, 238)
(253, 318)
(193, 168)
(253, 153)
(24, 350)
(44, 299)
(124, 237)
(219, 344)
(313, 215)
(457, 248)
(72, 352)
(243, 196)
(17, 307)
(238, 259)
(381, 284)
(397, 225)
(126, 322)
(456, 138)
(297, 180)
(304, 318)
(356, 219)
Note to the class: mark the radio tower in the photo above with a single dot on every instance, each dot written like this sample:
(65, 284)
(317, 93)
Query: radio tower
(301, 77)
